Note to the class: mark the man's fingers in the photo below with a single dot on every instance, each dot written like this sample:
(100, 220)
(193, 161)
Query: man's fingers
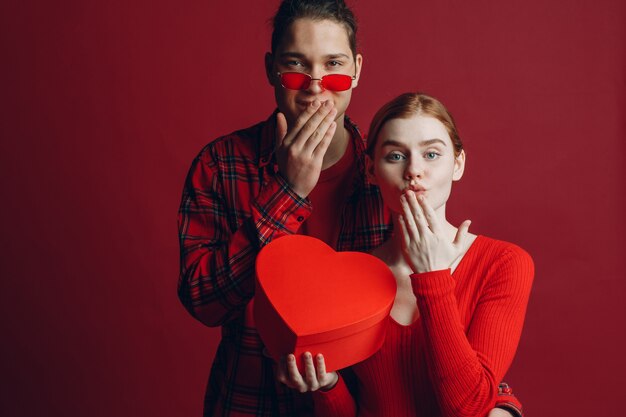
(321, 134)
(281, 129)
(315, 128)
(322, 147)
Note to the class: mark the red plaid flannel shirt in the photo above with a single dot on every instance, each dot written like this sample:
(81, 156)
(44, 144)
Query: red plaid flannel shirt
(235, 202)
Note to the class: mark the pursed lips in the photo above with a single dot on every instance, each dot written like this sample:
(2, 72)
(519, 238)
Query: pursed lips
(415, 188)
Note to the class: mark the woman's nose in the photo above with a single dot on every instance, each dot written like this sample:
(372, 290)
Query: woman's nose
(414, 170)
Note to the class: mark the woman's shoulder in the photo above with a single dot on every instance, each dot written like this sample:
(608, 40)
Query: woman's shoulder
(503, 252)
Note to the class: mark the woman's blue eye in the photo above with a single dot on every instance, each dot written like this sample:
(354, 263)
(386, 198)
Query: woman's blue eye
(431, 155)
(395, 157)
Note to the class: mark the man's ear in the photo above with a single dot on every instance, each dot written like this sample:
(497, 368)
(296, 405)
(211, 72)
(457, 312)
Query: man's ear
(369, 170)
(269, 68)
(358, 62)
(459, 166)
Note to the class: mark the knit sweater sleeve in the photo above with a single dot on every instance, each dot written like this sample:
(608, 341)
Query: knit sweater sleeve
(336, 402)
(466, 365)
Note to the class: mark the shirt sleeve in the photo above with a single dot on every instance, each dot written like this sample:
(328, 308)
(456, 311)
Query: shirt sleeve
(508, 401)
(466, 367)
(336, 402)
(216, 256)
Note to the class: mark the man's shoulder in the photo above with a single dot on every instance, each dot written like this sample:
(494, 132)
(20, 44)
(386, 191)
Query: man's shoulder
(240, 143)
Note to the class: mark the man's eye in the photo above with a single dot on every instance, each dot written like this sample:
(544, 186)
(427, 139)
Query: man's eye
(294, 63)
(335, 63)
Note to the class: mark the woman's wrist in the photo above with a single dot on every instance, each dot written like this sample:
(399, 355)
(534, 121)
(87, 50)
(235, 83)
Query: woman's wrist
(332, 384)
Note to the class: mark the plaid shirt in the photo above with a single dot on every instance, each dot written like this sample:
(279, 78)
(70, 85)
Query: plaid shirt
(234, 203)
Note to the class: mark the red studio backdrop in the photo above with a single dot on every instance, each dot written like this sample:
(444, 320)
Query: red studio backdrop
(105, 104)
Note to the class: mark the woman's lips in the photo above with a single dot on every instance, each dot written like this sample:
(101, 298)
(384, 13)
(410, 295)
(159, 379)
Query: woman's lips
(415, 188)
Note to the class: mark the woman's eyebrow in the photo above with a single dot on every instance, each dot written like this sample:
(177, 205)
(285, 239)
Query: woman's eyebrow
(428, 142)
(432, 142)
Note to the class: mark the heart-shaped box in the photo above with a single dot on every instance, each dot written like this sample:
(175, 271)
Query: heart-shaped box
(310, 298)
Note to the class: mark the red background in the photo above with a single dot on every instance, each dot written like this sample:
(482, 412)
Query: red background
(105, 104)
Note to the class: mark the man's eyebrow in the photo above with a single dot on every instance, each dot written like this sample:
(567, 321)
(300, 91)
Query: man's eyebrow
(300, 55)
(292, 55)
(391, 142)
(335, 56)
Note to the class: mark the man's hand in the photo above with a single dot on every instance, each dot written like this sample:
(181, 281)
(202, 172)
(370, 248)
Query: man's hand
(300, 151)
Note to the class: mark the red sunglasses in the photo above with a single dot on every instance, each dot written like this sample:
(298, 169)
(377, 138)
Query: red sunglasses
(302, 81)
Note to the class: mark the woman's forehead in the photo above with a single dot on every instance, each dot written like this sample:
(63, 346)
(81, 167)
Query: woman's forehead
(417, 130)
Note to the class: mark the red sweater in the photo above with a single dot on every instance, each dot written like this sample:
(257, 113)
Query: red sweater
(449, 362)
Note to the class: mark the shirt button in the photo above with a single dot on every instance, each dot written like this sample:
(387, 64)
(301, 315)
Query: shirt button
(300, 218)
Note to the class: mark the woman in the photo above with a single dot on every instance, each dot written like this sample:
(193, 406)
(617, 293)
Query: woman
(461, 299)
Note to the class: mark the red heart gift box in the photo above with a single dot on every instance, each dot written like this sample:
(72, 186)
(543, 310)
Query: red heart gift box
(310, 298)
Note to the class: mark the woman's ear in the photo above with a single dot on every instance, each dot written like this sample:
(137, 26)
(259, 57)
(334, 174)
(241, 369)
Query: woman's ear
(369, 170)
(459, 166)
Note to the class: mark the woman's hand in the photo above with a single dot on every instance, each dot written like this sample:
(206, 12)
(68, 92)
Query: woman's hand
(315, 376)
(300, 151)
(499, 412)
(425, 246)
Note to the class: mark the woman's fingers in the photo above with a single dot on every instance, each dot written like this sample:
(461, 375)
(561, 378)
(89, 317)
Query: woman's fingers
(310, 375)
(293, 374)
(315, 375)
(462, 234)
(429, 214)
(409, 219)
(405, 233)
(418, 214)
(327, 380)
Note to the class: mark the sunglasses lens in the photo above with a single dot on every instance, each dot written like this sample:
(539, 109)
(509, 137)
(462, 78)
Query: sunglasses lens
(337, 82)
(295, 80)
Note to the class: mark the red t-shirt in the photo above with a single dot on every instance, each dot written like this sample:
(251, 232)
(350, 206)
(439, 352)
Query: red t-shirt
(328, 197)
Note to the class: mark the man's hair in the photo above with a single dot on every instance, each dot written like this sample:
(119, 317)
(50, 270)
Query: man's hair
(333, 10)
